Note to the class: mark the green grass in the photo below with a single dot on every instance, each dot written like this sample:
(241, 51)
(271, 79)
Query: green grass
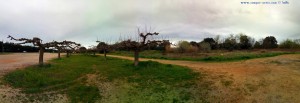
(242, 57)
(149, 82)
(5, 53)
(84, 93)
(214, 57)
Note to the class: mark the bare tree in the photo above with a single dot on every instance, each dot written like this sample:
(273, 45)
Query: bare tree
(36, 42)
(67, 46)
(138, 45)
(102, 46)
(92, 50)
(70, 47)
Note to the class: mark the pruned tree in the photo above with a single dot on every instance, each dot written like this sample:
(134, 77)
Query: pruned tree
(82, 50)
(58, 46)
(138, 45)
(64, 46)
(70, 46)
(102, 46)
(92, 50)
(36, 42)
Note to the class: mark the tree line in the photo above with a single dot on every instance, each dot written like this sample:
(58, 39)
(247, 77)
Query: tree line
(67, 46)
(14, 47)
(236, 42)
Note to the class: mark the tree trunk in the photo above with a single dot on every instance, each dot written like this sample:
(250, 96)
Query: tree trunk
(41, 56)
(136, 57)
(105, 54)
(58, 50)
(68, 53)
(164, 51)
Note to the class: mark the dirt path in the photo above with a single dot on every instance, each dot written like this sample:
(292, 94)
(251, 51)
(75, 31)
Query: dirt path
(274, 79)
(9, 62)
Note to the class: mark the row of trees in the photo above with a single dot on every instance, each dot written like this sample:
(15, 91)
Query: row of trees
(67, 46)
(141, 43)
(137, 45)
(236, 42)
(290, 44)
(233, 42)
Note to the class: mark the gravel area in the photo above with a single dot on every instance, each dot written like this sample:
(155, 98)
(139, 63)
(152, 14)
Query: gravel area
(13, 61)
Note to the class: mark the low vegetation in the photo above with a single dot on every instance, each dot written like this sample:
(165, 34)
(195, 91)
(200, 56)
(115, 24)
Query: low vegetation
(91, 79)
(206, 57)
(3, 53)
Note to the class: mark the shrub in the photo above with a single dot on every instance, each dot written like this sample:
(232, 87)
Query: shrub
(192, 49)
(289, 44)
(270, 42)
(205, 46)
(230, 43)
(257, 45)
(245, 41)
(183, 46)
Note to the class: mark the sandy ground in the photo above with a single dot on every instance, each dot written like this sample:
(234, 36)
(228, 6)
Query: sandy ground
(9, 62)
(271, 80)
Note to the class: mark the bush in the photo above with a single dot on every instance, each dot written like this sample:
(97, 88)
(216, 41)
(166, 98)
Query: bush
(230, 43)
(183, 46)
(270, 42)
(192, 49)
(289, 44)
(245, 41)
(205, 46)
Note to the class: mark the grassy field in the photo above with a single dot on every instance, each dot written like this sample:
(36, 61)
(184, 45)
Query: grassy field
(215, 56)
(92, 79)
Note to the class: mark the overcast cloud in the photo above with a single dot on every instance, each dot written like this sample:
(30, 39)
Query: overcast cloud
(85, 20)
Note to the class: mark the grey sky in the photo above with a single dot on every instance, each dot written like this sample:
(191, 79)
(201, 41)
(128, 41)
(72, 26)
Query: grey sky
(85, 20)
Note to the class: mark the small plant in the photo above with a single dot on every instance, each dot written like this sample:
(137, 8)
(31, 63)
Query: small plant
(226, 83)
